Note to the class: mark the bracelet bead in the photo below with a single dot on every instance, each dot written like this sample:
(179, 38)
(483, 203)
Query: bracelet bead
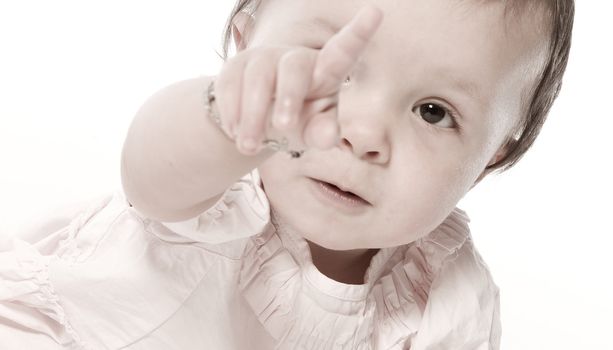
(275, 145)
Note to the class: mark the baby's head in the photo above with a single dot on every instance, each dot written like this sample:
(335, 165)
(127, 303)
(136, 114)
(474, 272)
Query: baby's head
(446, 92)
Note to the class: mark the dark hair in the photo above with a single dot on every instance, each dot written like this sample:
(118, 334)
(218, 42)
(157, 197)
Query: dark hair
(226, 37)
(560, 15)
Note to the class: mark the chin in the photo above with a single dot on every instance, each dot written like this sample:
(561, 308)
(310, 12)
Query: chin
(332, 245)
(336, 240)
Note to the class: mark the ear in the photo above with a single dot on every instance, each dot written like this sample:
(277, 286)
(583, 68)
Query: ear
(501, 153)
(242, 24)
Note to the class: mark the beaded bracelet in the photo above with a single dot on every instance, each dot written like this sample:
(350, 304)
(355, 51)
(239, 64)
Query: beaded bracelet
(275, 145)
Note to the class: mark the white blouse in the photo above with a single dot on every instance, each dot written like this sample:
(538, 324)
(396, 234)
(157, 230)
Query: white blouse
(232, 278)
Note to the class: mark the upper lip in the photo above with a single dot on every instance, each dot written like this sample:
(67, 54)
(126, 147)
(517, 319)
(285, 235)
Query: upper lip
(344, 187)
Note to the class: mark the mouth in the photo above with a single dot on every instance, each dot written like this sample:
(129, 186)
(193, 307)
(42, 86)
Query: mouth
(338, 193)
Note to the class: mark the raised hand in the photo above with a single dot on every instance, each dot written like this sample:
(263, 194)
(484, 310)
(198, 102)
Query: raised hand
(291, 91)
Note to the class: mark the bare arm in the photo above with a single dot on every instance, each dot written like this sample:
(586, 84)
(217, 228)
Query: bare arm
(176, 162)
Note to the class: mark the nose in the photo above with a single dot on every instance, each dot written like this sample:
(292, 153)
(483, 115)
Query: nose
(364, 130)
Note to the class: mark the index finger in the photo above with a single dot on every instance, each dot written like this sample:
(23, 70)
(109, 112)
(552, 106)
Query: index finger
(336, 59)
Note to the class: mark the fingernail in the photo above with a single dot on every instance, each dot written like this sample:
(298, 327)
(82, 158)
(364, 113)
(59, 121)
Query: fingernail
(249, 144)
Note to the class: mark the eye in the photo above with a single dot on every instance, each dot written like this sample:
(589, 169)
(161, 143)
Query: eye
(436, 114)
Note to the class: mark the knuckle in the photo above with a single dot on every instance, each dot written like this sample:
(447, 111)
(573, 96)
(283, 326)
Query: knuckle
(250, 128)
(294, 80)
(258, 89)
(287, 101)
(251, 69)
(294, 61)
(259, 63)
(256, 99)
(258, 80)
(230, 69)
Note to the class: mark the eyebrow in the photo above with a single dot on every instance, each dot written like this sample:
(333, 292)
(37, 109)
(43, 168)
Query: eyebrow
(459, 83)
(469, 87)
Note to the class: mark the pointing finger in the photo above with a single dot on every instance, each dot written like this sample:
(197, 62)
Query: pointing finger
(339, 54)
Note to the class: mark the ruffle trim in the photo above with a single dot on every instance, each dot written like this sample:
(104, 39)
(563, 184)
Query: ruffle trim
(24, 281)
(302, 308)
(64, 244)
(242, 211)
(273, 285)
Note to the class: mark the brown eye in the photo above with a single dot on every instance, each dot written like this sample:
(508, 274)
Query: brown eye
(434, 114)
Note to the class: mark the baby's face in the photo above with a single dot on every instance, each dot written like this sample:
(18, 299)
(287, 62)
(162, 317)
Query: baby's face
(400, 149)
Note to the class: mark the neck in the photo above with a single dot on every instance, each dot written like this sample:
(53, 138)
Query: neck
(346, 266)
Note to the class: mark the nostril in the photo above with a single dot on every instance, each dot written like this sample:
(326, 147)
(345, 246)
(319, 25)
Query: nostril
(371, 155)
(346, 143)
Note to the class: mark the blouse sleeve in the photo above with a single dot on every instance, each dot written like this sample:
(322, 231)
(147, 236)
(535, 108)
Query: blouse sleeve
(41, 309)
(31, 313)
(242, 211)
(31, 316)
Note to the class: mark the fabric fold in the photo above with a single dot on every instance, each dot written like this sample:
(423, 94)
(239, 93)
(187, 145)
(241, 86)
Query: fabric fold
(241, 211)
(112, 278)
(272, 284)
(27, 296)
(297, 304)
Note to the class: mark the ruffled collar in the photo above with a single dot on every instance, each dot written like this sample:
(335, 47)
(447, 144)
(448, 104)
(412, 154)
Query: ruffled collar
(299, 248)
(299, 305)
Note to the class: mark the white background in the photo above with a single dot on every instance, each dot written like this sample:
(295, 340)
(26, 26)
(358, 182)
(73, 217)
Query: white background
(73, 73)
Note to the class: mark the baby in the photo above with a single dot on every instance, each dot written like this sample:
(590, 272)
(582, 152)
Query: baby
(305, 197)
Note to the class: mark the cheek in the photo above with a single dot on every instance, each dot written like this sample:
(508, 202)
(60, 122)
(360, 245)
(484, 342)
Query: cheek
(270, 177)
(422, 198)
(451, 174)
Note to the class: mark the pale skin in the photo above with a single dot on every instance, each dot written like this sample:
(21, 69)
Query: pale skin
(368, 133)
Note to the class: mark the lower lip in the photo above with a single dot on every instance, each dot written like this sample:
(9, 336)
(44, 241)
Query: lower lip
(337, 197)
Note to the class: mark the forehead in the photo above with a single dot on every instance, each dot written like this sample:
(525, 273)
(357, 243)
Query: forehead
(397, 13)
(453, 30)
(466, 44)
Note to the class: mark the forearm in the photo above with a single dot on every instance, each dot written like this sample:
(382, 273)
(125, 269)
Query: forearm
(175, 161)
